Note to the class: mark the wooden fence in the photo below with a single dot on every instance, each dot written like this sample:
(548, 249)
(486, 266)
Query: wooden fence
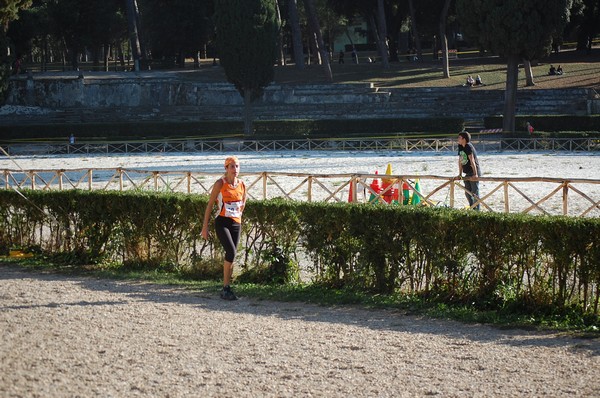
(552, 196)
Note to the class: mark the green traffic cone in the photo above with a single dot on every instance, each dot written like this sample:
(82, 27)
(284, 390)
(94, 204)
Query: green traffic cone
(416, 199)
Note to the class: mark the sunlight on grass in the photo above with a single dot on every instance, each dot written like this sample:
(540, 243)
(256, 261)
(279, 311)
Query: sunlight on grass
(429, 73)
(571, 321)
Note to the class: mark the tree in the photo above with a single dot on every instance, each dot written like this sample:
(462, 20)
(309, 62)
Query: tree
(9, 11)
(394, 12)
(133, 27)
(296, 34)
(73, 22)
(175, 29)
(315, 28)
(23, 31)
(515, 29)
(247, 41)
(414, 26)
(443, 38)
(585, 23)
(51, 27)
(382, 34)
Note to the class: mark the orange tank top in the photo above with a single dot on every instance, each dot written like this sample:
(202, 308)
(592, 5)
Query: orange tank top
(231, 200)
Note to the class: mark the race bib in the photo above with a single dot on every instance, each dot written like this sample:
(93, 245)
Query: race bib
(233, 209)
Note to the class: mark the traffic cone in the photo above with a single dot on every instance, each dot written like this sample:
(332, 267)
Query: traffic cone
(388, 191)
(405, 193)
(416, 199)
(351, 193)
(395, 199)
(388, 172)
(376, 188)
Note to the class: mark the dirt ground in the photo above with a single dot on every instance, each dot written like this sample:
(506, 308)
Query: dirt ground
(65, 336)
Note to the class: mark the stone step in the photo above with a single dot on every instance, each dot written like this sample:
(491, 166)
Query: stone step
(107, 100)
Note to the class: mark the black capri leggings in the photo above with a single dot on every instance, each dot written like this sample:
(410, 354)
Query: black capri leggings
(228, 232)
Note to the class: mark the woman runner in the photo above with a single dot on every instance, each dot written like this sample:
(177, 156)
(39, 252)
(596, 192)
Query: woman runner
(229, 193)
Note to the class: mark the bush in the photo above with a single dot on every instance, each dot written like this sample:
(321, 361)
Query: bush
(494, 260)
(272, 129)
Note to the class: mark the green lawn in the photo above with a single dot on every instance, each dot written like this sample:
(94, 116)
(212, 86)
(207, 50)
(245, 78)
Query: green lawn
(580, 71)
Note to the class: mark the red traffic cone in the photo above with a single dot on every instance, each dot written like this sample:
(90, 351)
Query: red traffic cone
(376, 189)
(405, 193)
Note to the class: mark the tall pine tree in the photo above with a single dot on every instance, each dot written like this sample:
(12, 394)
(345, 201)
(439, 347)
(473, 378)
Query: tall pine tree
(247, 41)
(516, 30)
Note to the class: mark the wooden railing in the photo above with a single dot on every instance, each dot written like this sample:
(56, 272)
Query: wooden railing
(573, 197)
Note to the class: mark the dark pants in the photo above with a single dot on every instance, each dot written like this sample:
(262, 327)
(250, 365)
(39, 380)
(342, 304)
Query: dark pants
(472, 191)
(228, 232)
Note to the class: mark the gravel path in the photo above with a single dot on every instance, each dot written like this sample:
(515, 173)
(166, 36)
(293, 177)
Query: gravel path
(65, 336)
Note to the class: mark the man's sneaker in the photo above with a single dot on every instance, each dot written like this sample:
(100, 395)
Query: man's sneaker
(227, 294)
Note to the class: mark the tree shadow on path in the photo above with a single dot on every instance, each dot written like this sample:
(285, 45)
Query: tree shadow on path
(374, 319)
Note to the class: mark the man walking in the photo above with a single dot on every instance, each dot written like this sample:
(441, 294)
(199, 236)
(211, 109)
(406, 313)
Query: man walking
(468, 163)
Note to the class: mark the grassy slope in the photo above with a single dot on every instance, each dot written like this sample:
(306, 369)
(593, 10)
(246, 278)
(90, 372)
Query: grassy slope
(580, 71)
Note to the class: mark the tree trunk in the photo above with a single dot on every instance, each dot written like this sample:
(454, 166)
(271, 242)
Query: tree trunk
(296, 34)
(105, 54)
(121, 55)
(415, 31)
(63, 59)
(96, 52)
(350, 39)
(45, 53)
(313, 22)
(73, 58)
(281, 57)
(144, 63)
(382, 35)
(248, 131)
(510, 95)
(444, 39)
(314, 45)
(134, 38)
(528, 73)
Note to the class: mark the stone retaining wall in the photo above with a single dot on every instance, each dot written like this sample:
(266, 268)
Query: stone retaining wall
(122, 96)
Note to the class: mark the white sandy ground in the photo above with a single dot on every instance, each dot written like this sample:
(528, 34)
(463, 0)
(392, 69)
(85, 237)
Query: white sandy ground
(495, 164)
(65, 336)
(72, 336)
(562, 165)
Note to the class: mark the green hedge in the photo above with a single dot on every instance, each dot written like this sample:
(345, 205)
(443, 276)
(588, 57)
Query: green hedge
(270, 129)
(491, 259)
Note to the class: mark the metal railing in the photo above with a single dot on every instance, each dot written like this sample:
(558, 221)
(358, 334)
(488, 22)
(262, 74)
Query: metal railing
(446, 144)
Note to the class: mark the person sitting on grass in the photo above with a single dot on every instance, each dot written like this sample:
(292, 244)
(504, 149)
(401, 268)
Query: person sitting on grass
(478, 81)
(470, 81)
